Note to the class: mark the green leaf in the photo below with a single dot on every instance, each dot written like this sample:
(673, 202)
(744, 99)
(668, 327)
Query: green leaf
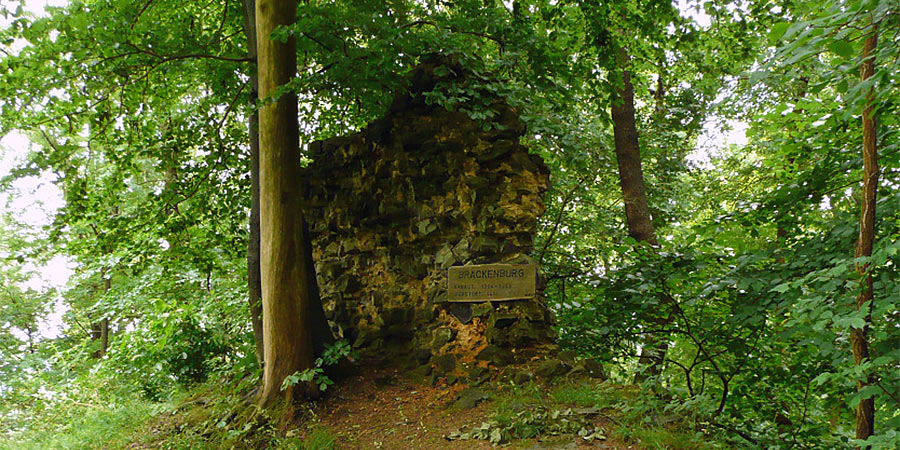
(822, 378)
(777, 32)
(842, 86)
(781, 288)
(841, 48)
(496, 436)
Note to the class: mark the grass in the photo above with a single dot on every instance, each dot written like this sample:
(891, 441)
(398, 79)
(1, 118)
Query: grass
(318, 438)
(578, 393)
(84, 427)
(630, 411)
(655, 438)
(212, 416)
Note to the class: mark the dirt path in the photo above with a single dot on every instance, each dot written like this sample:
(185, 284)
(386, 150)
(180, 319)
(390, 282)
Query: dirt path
(381, 409)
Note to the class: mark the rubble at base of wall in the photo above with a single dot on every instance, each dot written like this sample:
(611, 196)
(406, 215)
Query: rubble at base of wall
(393, 206)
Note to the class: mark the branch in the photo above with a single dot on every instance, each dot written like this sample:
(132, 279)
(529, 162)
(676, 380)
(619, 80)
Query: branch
(140, 13)
(473, 33)
(740, 433)
(562, 209)
(168, 58)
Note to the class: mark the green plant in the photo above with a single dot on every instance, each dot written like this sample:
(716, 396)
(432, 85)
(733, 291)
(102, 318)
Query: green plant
(531, 422)
(317, 438)
(331, 356)
(580, 393)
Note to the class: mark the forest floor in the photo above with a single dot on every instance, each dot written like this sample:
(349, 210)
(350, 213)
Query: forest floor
(391, 408)
(386, 409)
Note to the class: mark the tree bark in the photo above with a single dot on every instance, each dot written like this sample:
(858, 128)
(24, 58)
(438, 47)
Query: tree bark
(104, 324)
(634, 194)
(100, 330)
(628, 156)
(865, 411)
(286, 294)
(319, 329)
(96, 333)
(254, 285)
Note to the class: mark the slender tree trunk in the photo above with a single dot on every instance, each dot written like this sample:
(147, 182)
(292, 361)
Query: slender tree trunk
(628, 157)
(100, 330)
(254, 286)
(634, 193)
(104, 324)
(96, 333)
(286, 294)
(865, 411)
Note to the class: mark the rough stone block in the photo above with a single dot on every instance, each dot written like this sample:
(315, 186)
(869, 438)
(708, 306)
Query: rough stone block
(444, 364)
(495, 355)
(552, 368)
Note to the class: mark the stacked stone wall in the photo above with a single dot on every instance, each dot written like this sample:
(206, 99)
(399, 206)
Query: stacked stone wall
(392, 207)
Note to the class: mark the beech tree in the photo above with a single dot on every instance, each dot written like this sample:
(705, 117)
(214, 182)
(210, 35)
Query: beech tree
(290, 303)
(254, 286)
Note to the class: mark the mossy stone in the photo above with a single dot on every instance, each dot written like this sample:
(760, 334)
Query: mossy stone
(552, 368)
(495, 355)
(522, 377)
(470, 398)
(444, 364)
(594, 368)
(567, 356)
(441, 336)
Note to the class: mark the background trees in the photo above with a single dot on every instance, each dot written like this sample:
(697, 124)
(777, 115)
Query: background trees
(766, 302)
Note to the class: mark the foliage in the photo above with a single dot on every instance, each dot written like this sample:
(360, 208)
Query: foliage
(331, 356)
(137, 111)
(536, 421)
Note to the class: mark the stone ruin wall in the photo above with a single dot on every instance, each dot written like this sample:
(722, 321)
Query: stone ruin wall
(392, 207)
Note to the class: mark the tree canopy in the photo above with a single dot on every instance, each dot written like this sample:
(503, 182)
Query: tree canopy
(773, 263)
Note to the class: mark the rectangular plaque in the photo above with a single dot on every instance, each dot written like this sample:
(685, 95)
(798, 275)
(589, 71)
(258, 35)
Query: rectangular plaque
(491, 282)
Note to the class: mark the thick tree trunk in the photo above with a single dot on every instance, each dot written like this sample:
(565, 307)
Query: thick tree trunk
(286, 293)
(865, 411)
(254, 286)
(634, 193)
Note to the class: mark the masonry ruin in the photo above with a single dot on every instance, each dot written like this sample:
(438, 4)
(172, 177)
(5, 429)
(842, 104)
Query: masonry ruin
(393, 206)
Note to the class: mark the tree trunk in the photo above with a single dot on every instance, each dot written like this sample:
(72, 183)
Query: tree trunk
(286, 293)
(865, 411)
(100, 330)
(634, 193)
(254, 286)
(96, 333)
(628, 157)
(321, 332)
(104, 324)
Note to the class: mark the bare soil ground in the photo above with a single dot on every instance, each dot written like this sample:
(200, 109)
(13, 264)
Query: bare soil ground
(383, 409)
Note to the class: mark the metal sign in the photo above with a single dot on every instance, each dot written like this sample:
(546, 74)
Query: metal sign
(491, 282)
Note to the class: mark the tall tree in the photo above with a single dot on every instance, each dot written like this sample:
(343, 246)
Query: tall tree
(634, 191)
(628, 154)
(254, 286)
(287, 294)
(865, 410)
